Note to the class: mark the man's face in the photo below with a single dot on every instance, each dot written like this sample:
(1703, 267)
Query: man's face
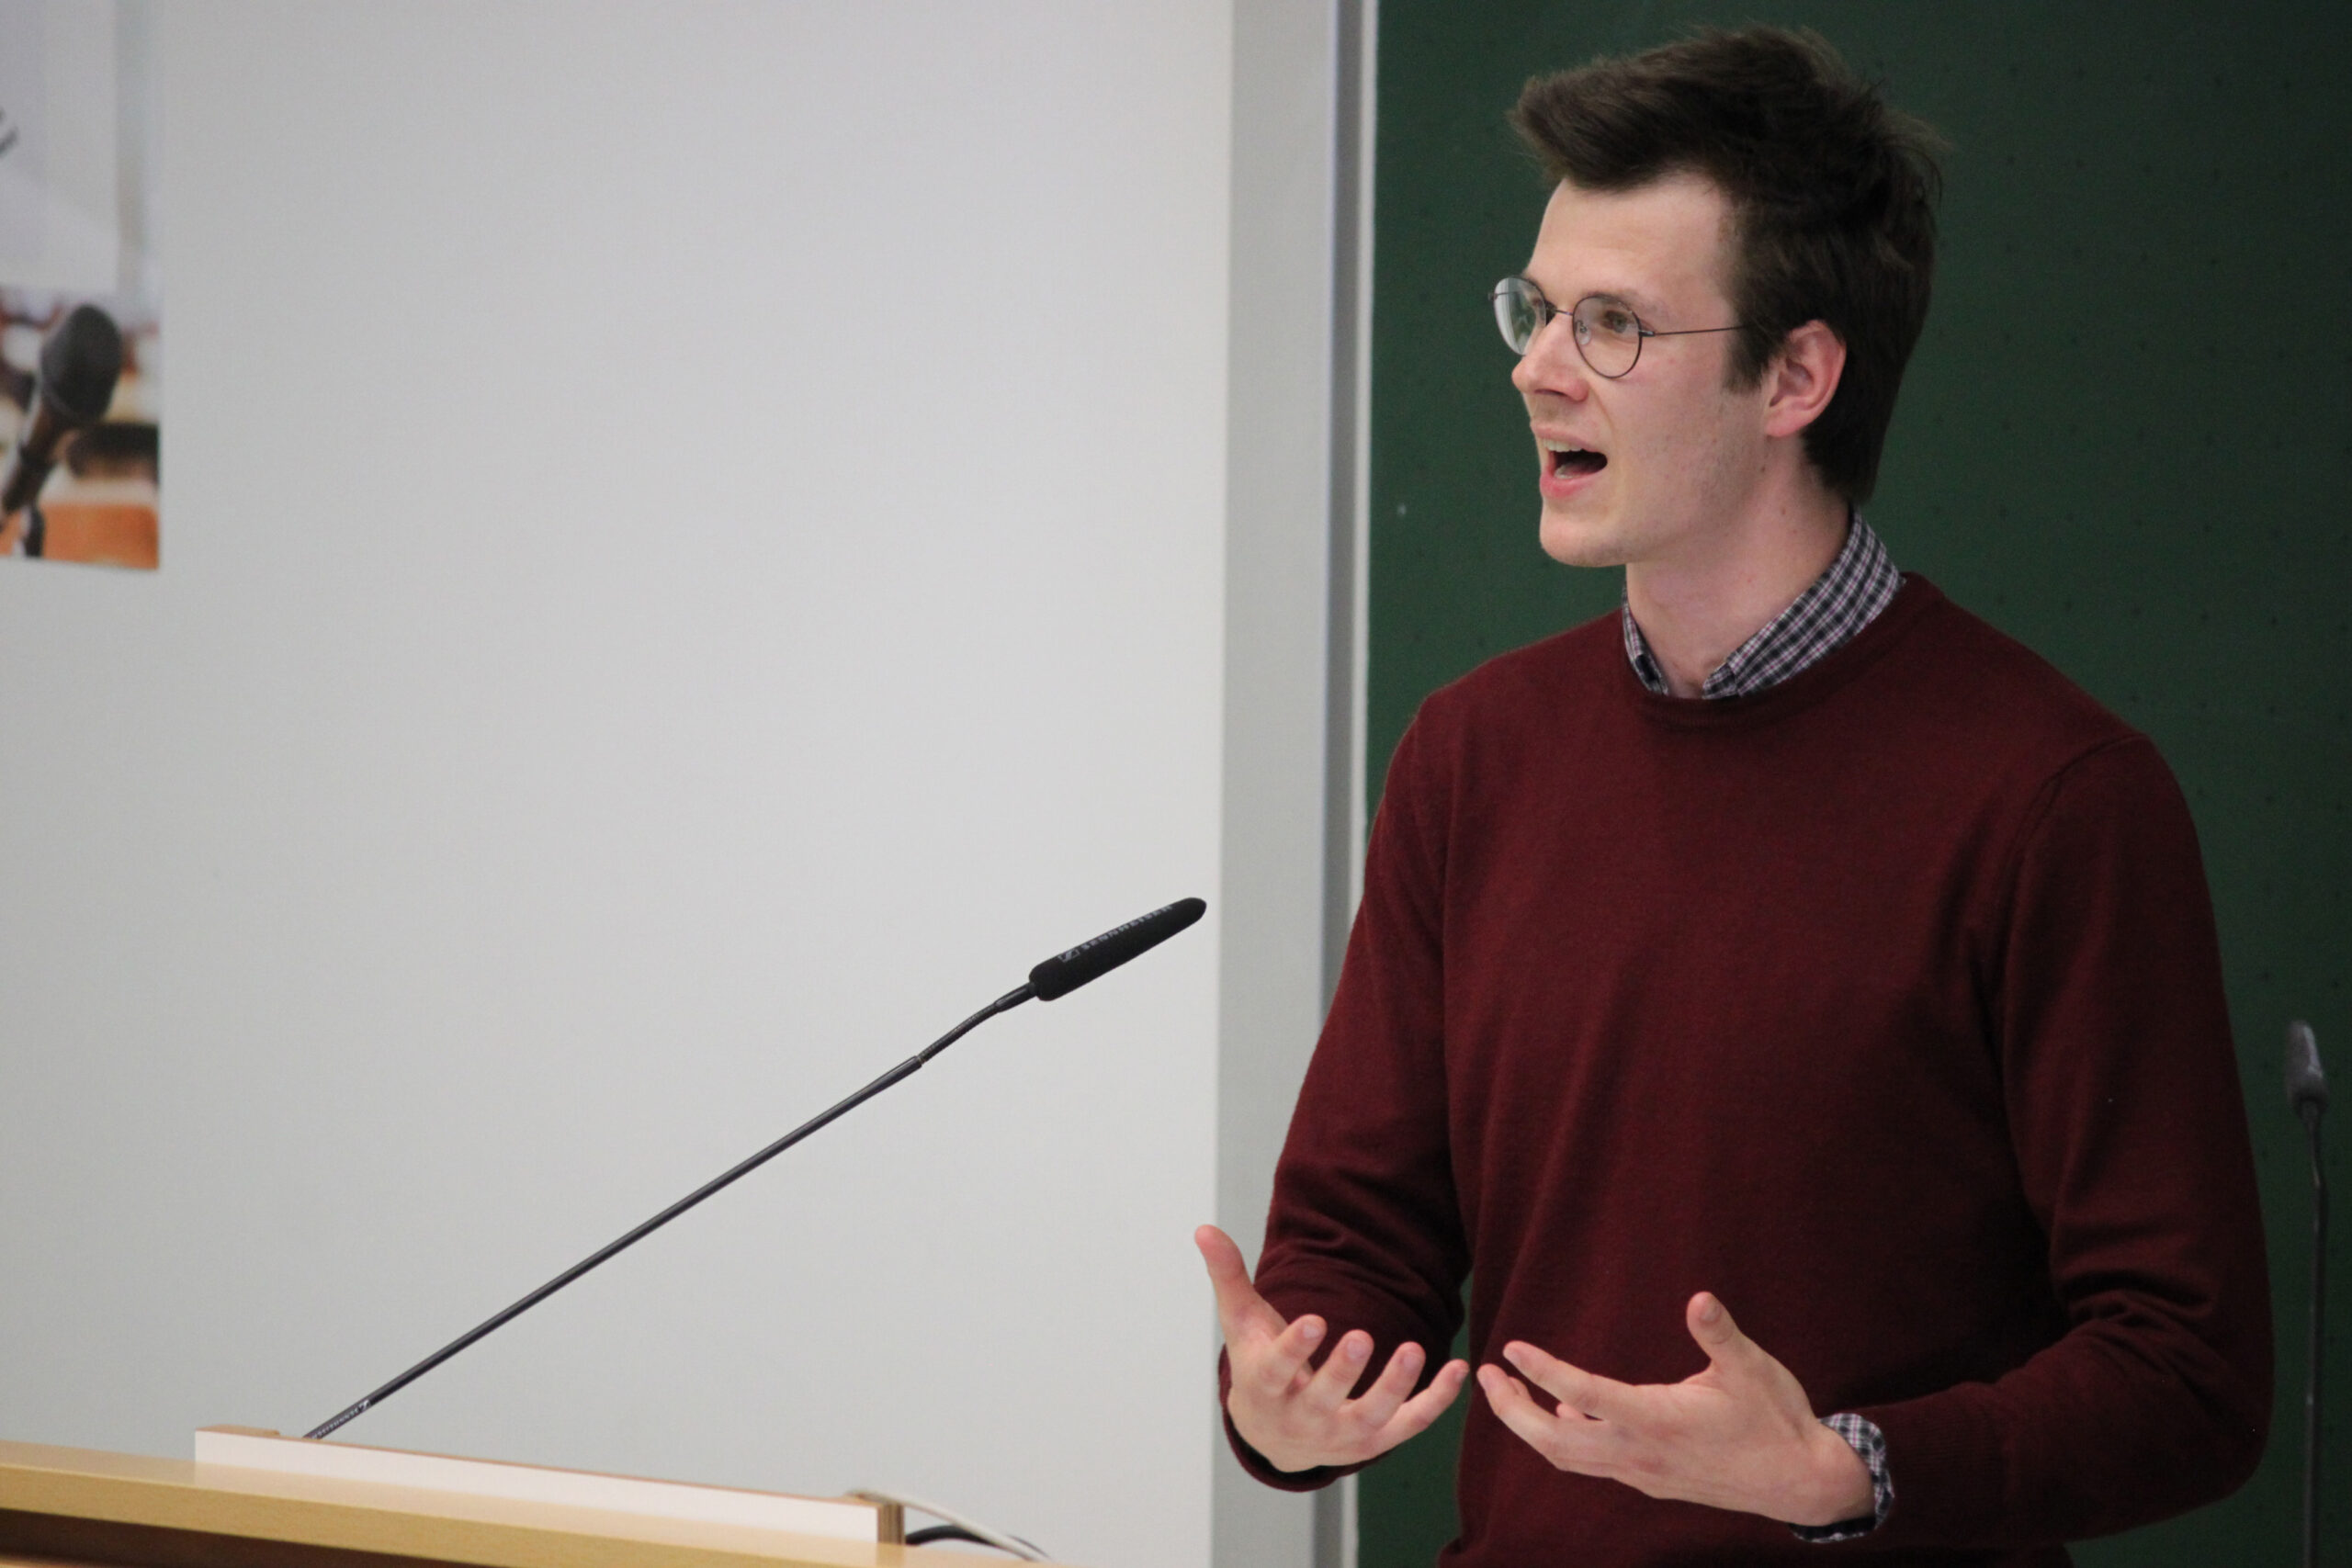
(1662, 462)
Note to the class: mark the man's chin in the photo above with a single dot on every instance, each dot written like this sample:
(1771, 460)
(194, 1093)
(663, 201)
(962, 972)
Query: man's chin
(1579, 541)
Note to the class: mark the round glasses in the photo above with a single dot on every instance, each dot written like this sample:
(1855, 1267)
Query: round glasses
(1608, 333)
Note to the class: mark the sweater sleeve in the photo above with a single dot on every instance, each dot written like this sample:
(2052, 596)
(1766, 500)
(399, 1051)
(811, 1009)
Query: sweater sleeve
(1364, 1229)
(2122, 1091)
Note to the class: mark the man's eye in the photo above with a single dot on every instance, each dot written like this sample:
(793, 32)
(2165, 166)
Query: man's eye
(1619, 323)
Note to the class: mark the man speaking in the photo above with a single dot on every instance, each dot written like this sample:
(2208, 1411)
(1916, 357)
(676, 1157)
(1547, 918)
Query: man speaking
(1790, 1005)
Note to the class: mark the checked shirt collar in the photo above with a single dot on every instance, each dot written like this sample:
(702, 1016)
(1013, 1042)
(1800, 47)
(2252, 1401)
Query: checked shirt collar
(1843, 600)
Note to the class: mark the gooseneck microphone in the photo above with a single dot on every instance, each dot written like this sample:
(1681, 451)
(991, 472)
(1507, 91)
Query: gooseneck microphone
(1066, 972)
(2307, 1097)
(1057, 976)
(79, 366)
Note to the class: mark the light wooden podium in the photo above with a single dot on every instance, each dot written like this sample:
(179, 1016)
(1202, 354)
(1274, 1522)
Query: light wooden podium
(81, 1506)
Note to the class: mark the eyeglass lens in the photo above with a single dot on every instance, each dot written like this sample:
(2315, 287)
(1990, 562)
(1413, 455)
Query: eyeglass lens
(1608, 334)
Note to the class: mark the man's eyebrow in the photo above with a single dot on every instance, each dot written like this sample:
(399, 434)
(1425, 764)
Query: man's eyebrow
(1642, 305)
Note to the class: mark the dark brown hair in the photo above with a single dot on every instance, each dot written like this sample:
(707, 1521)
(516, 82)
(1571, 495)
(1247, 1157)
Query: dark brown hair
(1832, 193)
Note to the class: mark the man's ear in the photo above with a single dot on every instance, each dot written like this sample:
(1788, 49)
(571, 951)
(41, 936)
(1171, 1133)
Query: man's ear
(1800, 383)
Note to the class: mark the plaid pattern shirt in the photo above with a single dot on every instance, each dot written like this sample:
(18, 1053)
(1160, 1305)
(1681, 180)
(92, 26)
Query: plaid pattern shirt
(1842, 601)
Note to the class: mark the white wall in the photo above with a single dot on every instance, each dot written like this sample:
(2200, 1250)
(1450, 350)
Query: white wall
(693, 555)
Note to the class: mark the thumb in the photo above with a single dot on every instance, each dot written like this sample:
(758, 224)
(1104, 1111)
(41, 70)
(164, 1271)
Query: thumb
(1711, 1324)
(1239, 1305)
(1224, 1255)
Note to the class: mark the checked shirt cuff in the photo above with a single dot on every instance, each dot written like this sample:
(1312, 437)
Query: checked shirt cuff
(1864, 1437)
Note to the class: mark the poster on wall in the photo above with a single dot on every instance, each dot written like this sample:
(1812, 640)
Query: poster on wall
(81, 295)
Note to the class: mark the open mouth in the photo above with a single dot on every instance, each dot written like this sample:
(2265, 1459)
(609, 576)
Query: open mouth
(1573, 462)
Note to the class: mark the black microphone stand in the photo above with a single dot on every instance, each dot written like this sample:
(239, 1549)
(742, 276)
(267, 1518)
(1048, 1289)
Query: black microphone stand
(2307, 1093)
(1053, 978)
(907, 1068)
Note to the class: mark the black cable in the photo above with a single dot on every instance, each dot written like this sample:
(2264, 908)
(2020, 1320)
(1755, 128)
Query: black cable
(930, 1533)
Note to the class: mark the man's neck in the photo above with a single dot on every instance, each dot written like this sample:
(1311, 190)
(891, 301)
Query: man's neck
(1696, 607)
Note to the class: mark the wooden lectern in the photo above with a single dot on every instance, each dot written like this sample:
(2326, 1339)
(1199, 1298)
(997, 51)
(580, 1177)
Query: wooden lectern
(80, 1506)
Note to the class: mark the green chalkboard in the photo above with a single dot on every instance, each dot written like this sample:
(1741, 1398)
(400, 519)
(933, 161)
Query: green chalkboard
(2126, 439)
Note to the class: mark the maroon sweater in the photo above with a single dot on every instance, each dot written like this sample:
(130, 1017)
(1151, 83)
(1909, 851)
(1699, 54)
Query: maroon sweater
(1884, 1003)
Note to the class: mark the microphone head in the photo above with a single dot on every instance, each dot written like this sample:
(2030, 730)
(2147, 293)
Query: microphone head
(1066, 972)
(2306, 1079)
(80, 364)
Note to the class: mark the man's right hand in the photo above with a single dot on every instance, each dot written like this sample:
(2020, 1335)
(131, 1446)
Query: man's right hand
(1299, 1416)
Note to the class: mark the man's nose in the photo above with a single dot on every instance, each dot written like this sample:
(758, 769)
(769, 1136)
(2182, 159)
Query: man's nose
(1552, 363)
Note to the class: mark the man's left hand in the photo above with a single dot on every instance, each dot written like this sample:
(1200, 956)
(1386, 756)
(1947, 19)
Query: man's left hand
(1740, 1435)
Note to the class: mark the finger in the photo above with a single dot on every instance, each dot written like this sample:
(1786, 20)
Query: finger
(1516, 1408)
(1413, 1417)
(1566, 1441)
(1240, 1310)
(1274, 1367)
(1389, 1392)
(1279, 1364)
(1577, 1389)
(1341, 1371)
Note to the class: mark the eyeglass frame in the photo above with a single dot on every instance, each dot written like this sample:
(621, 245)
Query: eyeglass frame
(1551, 313)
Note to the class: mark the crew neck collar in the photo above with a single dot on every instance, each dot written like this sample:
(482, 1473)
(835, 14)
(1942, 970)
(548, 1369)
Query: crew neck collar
(1913, 600)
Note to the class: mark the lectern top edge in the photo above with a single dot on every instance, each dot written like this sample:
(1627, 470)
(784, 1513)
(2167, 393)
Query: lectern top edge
(90, 1506)
(249, 1449)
